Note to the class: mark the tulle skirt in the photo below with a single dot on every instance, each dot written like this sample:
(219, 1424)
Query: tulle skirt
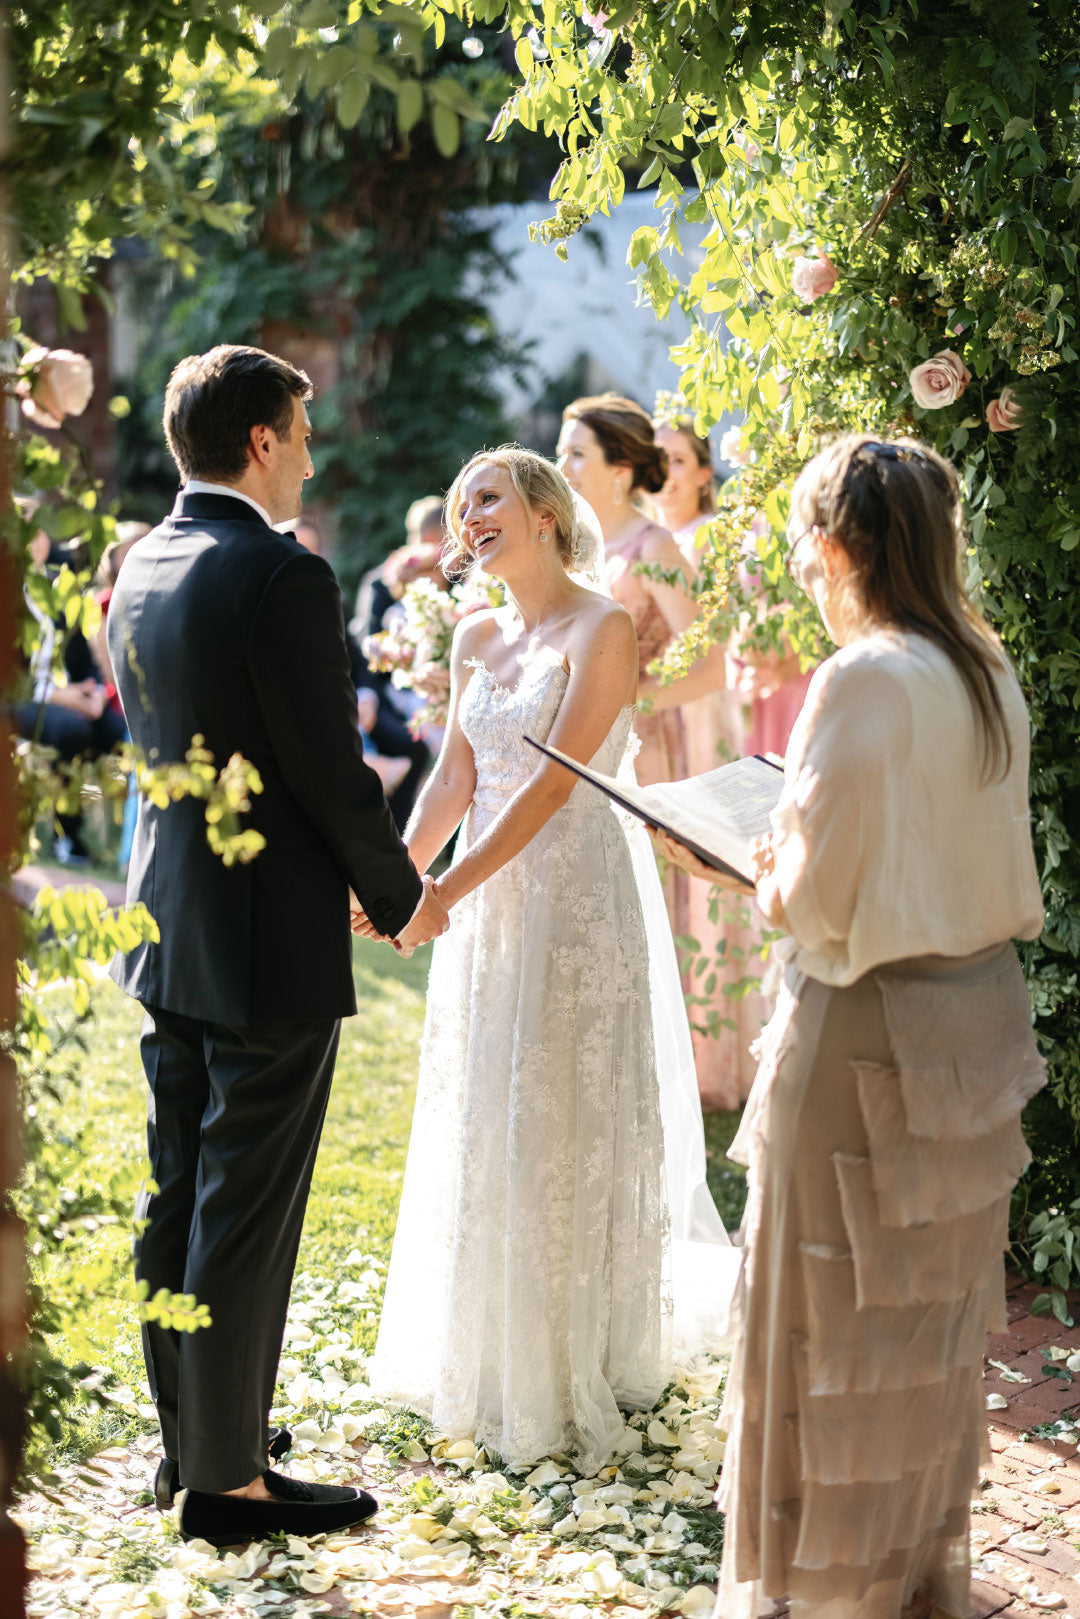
(883, 1140)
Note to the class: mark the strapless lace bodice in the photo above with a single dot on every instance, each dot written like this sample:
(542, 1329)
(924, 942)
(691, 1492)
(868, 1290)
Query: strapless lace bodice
(495, 719)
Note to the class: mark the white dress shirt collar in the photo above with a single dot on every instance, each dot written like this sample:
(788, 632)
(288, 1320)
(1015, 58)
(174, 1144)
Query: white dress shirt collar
(196, 486)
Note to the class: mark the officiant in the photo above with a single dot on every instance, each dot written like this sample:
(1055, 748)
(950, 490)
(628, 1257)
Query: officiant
(882, 1135)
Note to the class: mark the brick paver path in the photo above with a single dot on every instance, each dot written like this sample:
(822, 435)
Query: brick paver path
(1025, 1524)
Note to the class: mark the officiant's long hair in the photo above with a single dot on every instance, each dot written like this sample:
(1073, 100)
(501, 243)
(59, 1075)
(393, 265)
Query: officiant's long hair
(895, 508)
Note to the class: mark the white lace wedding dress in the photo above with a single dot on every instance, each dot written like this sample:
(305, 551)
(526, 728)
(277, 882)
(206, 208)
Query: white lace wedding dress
(556, 1245)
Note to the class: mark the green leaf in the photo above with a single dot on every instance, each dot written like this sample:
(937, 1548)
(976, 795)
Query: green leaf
(643, 244)
(1016, 126)
(446, 128)
(318, 14)
(410, 104)
(275, 54)
(523, 56)
(1060, 1307)
(1005, 246)
(71, 308)
(352, 98)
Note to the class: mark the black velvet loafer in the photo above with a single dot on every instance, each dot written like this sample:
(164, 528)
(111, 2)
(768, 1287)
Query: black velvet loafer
(297, 1508)
(167, 1479)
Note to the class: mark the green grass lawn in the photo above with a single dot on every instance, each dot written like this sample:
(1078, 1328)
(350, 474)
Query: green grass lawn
(358, 1176)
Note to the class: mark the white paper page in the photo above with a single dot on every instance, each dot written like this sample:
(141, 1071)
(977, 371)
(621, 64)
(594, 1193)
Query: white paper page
(723, 810)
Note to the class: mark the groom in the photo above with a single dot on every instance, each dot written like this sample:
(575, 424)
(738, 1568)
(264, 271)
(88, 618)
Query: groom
(221, 627)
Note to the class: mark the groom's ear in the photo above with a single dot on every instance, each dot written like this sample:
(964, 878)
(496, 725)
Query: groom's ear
(259, 441)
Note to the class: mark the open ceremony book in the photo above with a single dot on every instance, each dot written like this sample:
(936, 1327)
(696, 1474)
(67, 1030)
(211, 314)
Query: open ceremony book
(715, 816)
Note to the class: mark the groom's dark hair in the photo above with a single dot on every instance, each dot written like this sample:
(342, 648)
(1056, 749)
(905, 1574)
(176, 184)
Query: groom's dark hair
(214, 400)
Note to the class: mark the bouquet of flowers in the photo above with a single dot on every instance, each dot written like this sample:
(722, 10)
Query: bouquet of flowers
(414, 648)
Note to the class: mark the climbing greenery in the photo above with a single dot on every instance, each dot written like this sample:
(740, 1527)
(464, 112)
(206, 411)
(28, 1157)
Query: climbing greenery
(931, 153)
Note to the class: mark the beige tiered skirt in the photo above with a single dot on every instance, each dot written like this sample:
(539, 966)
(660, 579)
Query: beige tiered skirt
(882, 1139)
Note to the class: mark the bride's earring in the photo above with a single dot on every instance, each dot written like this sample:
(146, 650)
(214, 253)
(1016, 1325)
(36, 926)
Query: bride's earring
(544, 536)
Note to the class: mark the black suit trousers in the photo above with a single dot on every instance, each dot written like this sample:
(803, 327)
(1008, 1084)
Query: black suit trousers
(233, 1125)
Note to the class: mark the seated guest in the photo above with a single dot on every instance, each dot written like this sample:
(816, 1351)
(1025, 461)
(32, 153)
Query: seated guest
(69, 714)
(883, 1131)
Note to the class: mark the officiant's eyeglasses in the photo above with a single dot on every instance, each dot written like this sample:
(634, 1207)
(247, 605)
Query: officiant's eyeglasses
(791, 561)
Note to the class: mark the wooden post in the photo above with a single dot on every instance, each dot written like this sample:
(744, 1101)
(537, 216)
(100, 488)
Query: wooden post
(13, 1302)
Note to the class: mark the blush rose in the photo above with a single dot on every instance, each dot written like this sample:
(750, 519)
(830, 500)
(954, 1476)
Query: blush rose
(813, 278)
(60, 385)
(1003, 413)
(939, 381)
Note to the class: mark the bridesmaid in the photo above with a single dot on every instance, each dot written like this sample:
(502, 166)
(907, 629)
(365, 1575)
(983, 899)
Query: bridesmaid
(609, 454)
(883, 1133)
(714, 733)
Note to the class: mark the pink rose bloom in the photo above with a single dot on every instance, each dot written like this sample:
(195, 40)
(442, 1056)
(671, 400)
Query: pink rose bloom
(813, 278)
(747, 147)
(1003, 413)
(61, 386)
(732, 448)
(939, 381)
(596, 20)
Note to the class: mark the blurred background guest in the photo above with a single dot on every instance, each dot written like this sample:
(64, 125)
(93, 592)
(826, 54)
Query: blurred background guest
(609, 454)
(378, 597)
(725, 925)
(688, 498)
(307, 531)
(772, 685)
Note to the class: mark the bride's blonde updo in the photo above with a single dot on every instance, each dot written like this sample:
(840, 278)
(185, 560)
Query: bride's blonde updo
(541, 486)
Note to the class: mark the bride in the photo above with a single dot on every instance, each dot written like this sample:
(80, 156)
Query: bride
(556, 1245)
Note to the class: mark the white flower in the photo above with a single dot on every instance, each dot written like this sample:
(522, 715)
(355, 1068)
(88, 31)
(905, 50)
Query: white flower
(732, 450)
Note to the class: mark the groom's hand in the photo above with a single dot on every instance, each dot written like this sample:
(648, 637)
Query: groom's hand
(430, 920)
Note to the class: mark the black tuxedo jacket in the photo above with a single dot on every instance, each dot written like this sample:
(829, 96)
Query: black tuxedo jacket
(220, 626)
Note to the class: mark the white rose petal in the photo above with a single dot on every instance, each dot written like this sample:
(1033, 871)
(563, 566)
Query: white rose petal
(698, 1603)
(546, 1473)
(1027, 1542)
(996, 1402)
(660, 1436)
(604, 1578)
(317, 1582)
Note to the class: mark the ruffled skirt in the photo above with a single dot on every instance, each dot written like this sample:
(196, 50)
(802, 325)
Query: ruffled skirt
(882, 1139)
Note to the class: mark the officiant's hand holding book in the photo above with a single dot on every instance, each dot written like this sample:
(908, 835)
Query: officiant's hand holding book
(715, 820)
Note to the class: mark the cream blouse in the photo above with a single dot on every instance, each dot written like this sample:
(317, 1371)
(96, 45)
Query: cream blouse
(888, 843)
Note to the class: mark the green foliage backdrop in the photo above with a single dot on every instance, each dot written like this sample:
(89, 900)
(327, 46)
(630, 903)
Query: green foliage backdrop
(367, 238)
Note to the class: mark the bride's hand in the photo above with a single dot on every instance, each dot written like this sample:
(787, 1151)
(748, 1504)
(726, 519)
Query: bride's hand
(359, 921)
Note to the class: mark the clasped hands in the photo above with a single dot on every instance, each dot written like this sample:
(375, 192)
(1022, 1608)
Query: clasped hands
(431, 919)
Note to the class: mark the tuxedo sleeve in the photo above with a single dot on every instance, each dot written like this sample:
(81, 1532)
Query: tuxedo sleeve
(299, 663)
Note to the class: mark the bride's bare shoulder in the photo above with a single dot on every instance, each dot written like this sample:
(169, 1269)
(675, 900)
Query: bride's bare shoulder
(599, 621)
(474, 631)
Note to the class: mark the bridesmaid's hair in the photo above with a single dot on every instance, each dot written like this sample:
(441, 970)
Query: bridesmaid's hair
(896, 509)
(541, 486)
(684, 426)
(625, 435)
